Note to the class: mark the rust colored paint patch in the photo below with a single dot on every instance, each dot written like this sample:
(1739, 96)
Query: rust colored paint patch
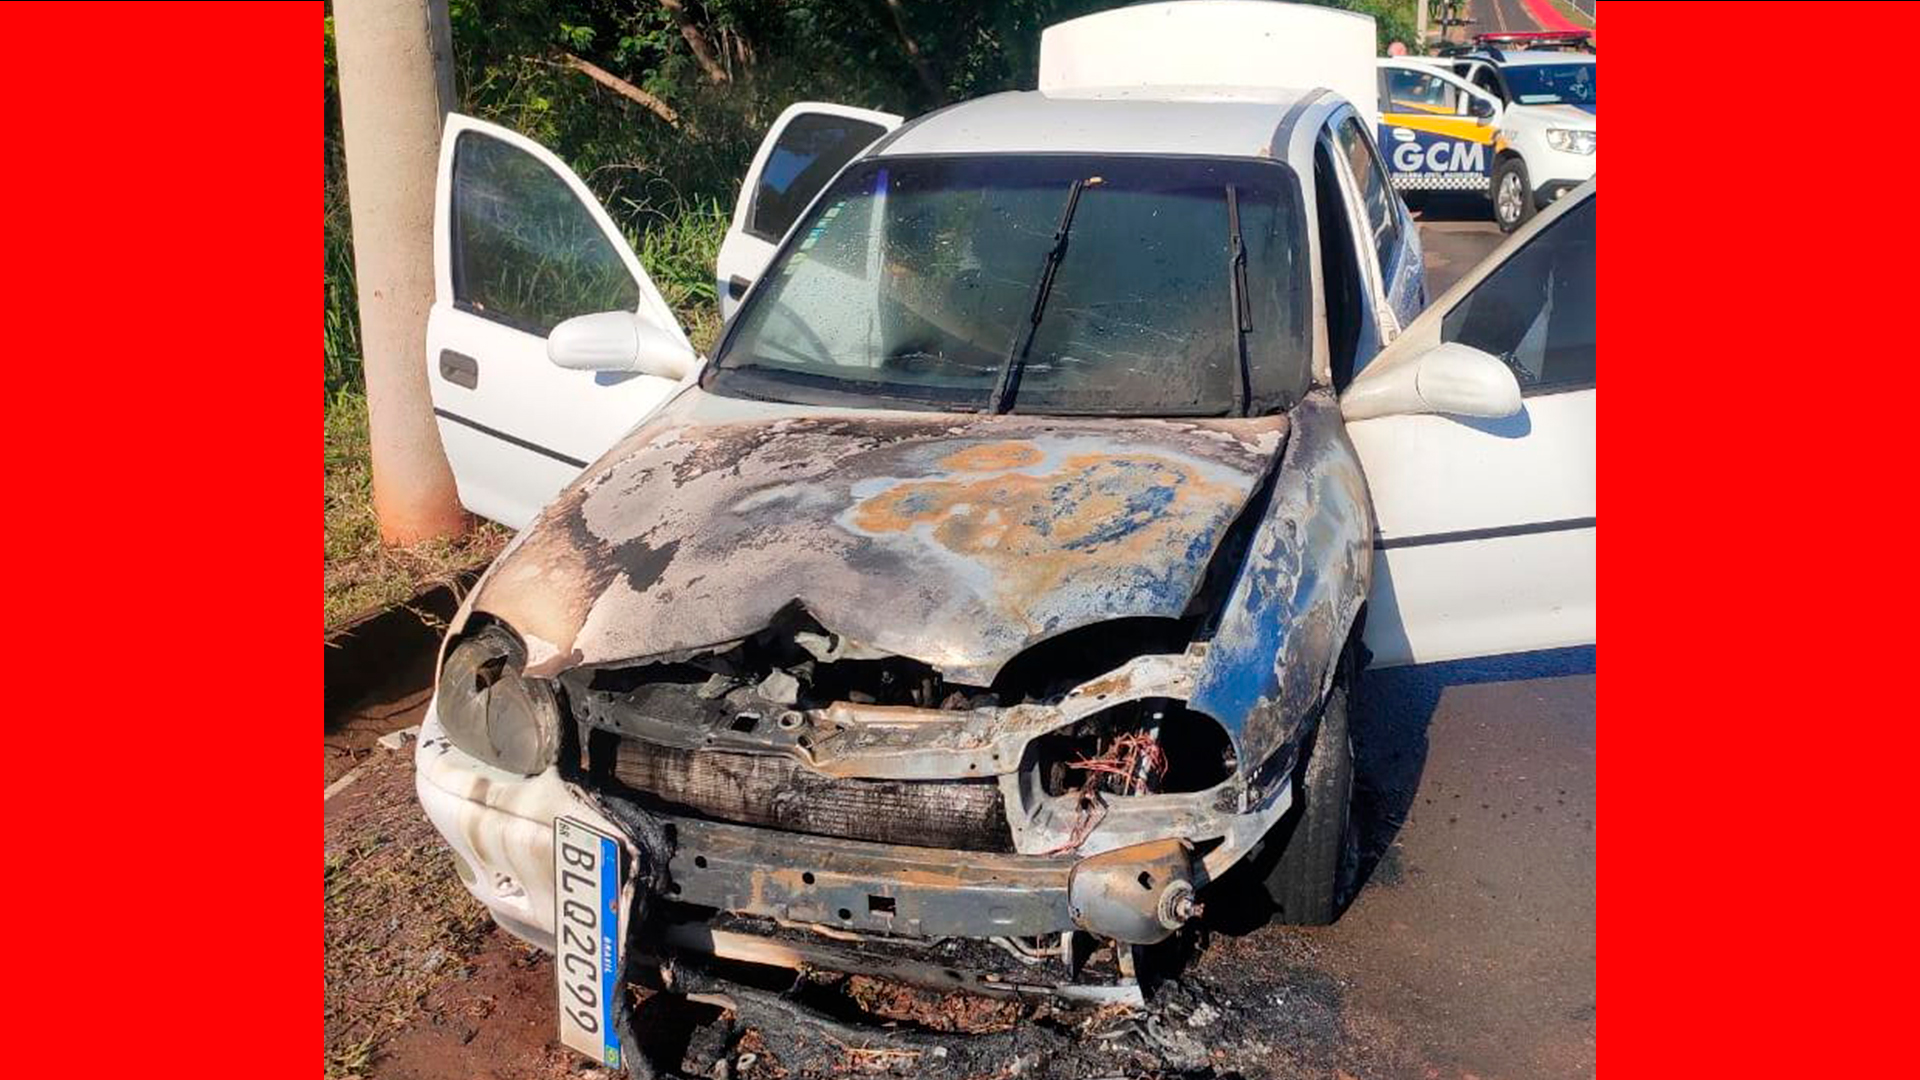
(1095, 514)
(953, 539)
(993, 457)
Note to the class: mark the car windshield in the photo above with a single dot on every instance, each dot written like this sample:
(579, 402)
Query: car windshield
(1049, 284)
(1552, 84)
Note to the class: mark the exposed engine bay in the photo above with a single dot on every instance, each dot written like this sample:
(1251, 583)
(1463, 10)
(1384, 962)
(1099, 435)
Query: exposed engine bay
(1036, 683)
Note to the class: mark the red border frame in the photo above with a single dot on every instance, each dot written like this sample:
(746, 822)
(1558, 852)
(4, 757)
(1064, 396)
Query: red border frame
(1756, 763)
(160, 255)
(160, 251)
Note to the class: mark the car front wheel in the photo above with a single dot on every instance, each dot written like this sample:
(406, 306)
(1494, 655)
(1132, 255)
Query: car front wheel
(1512, 194)
(1308, 881)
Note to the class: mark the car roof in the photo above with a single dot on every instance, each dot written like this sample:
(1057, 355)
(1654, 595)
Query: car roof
(1126, 120)
(1522, 58)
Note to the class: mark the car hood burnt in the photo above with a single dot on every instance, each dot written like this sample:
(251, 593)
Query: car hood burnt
(957, 540)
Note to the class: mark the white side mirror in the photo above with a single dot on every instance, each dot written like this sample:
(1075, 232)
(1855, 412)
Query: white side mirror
(1450, 379)
(619, 341)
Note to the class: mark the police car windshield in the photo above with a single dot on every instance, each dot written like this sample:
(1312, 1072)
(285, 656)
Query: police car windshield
(1552, 84)
(942, 283)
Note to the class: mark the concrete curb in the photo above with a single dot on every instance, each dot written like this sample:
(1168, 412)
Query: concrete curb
(361, 653)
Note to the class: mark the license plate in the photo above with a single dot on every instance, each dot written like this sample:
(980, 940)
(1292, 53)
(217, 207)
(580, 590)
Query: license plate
(586, 921)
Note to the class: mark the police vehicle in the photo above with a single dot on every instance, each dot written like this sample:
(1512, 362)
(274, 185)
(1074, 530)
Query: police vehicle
(1517, 125)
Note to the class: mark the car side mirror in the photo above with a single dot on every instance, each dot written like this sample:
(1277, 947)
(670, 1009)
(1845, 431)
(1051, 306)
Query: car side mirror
(1449, 379)
(1482, 110)
(619, 341)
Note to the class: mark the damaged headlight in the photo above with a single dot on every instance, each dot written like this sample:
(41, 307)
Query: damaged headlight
(492, 711)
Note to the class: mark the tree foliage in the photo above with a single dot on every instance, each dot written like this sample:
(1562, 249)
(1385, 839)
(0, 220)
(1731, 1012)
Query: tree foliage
(722, 69)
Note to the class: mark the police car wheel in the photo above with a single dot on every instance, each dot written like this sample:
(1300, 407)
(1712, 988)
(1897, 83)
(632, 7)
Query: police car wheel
(1512, 194)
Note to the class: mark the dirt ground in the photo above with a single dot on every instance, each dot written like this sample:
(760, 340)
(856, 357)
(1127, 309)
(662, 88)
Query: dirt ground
(1467, 953)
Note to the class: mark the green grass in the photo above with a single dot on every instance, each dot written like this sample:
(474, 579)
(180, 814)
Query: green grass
(363, 575)
(678, 253)
(397, 922)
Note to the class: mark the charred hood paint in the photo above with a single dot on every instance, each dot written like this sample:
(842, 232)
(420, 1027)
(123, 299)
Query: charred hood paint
(957, 540)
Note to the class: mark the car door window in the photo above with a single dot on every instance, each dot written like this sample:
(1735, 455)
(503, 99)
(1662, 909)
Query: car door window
(1409, 90)
(1376, 192)
(1536, 311)
(1486, 79)
(525, 251)
(808, 153)
(1337, 270)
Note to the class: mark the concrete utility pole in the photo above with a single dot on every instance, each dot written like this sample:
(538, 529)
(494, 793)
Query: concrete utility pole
(1420, 21)
(396, 85)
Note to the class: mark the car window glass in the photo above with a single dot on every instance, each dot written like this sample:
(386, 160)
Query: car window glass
(1485, 79)
(1536, 311)
(1421, 91)
(1376, 193)
(811, 149)
(1338, 270)
(1555, 84)
(1105, 338)
(526, 251)
(915, 281)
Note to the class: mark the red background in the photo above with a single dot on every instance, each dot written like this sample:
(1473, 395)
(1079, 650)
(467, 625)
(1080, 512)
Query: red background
(158, 242)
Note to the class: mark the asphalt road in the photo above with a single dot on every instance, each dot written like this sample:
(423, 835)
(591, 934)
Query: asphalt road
(1499, 16)
(1468, 950)
(1456, 232)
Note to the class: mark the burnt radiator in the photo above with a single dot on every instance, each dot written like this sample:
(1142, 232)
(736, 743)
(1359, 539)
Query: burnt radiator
(780, 793)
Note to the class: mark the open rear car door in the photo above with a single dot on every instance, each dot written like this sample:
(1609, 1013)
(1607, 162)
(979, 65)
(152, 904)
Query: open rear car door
(806, 147)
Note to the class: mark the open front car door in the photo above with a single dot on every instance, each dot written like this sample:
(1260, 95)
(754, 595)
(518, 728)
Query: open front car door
(1487, 526)
(521, 246)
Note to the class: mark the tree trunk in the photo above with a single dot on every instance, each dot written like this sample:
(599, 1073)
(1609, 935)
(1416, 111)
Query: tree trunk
(396, 85)
(624, 88)
(697, 41)
(921, 66)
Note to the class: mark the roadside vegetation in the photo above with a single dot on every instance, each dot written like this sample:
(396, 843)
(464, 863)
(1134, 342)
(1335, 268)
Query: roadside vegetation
(658, 107)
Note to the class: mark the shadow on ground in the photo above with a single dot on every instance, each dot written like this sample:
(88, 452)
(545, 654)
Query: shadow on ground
(1395, 708)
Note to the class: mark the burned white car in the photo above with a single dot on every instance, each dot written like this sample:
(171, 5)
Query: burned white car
(996, 586)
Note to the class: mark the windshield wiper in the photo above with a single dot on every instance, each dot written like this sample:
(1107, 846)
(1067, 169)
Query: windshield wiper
(1009, 382)
(1242, 308)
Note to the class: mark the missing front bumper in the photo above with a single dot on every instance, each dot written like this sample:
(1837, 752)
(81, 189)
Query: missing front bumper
(873, 888)
(500, 829)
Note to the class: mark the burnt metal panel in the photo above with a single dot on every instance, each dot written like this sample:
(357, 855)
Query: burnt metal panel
(879, 888)
(1305, 576)
(779, 792)
(958, 540)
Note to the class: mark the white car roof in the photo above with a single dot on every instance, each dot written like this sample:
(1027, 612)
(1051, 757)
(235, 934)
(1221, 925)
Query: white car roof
(1128, 120)
(1539, 56)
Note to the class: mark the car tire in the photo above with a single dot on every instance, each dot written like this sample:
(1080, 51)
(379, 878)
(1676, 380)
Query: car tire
(1512, 194)
(1308, 881)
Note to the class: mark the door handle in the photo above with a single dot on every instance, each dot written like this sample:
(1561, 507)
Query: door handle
(459, 369)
